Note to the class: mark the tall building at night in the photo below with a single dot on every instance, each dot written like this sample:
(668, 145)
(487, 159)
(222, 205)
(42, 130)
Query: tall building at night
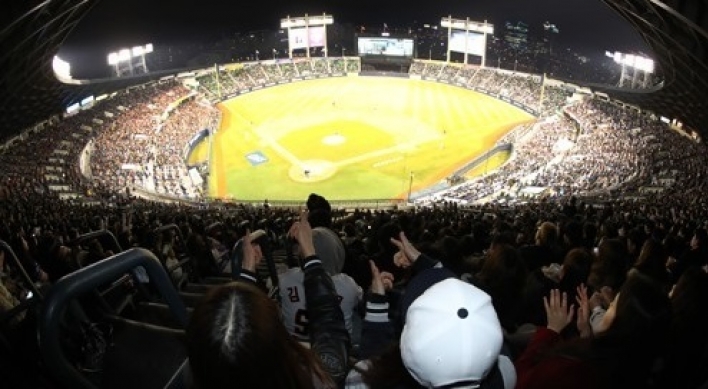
(516, 35)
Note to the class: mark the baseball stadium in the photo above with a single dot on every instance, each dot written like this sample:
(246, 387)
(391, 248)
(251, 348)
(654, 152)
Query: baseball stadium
(351, 137)
(326, 203)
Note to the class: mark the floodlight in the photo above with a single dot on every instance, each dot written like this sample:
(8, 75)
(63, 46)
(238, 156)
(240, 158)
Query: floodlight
(462, 24)
(113, 58)
(618, 57)
(640, 63)
(650, 66)
(628, 60)
(645, 64)
(302, 21)
(148, 48)
(124, 55)
(138, 51)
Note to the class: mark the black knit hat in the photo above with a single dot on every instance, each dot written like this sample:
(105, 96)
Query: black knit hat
(419, 284)
(317, 202)
(320, 211)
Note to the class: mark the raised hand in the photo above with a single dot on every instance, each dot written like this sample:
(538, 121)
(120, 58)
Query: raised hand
(407, 253)
(583, 320)
(250, 258)
(557, 312)
(380, 281)
(302, 232)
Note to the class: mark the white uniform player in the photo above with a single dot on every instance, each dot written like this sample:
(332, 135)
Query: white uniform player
(330, 250)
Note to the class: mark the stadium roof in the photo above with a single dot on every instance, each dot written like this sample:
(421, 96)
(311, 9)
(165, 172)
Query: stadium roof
(34, 30)
(677, 31)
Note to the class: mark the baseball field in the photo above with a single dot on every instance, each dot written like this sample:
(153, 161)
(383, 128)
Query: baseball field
(351, 138)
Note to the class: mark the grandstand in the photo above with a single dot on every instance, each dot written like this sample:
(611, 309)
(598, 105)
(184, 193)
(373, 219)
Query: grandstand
(111, 236)
(138, 136)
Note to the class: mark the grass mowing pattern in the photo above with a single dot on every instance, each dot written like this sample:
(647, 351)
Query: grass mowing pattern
(376, 131)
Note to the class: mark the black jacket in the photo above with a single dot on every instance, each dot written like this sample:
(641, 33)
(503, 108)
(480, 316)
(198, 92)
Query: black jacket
(329, 338)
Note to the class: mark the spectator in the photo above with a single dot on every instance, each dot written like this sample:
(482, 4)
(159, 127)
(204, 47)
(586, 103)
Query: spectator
(545, 251)
(235, 337)
(621, 355)
(687, 354)
(464, 351)
(697, 255)
(330, 249)
(503, 277)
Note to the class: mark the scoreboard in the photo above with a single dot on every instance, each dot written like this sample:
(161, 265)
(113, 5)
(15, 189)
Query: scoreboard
(385, 47)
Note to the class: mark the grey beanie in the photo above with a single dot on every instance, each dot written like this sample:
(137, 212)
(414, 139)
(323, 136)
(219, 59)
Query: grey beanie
(329, 249)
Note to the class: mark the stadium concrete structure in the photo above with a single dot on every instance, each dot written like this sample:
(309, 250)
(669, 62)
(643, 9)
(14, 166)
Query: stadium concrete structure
(86, 318)
(34, 94)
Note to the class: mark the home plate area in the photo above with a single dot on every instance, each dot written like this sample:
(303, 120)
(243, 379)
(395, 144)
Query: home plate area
(312, 171)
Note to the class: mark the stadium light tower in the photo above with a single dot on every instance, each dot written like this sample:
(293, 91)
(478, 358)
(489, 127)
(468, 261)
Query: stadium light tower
(129, 62)
(637, 65)
(468, 37)
(306, 32)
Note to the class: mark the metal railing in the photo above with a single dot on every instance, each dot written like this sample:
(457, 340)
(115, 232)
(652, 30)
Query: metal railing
(84, 281)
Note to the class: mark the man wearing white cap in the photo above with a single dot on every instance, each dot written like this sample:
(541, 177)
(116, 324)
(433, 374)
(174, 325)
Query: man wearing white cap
(451, 336)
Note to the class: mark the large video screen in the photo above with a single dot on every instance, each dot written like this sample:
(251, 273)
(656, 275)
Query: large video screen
(474, 44)
(385, 46)
(298, 37)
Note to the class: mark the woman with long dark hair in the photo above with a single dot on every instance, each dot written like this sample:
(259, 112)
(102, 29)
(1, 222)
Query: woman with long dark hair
(652, 262)
(503, 277)
(236, 339)
(620, 355)
(227, 346)
(687, 354)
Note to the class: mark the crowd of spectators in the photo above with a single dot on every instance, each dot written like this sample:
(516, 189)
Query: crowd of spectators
(125, 152)
(231, 81)
(597, 294)
(534, 149)
(583, 260)
(592, 147)
(520, 88)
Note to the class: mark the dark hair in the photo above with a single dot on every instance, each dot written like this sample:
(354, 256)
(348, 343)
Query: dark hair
(450, 255)
(576, 268)
(688, 340)
(503, 277)
(320, 211)
(385, 233)
(572, 233)
(610, 266)
(652, 261)
(235, 339)
(625, 352)
(701, 236)
(388, 371)
(547, 234)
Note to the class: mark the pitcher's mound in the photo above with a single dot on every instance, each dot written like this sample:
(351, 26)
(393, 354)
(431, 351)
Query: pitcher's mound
(312, 171)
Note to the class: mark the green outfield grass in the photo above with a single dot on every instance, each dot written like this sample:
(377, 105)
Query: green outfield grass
(359, 137)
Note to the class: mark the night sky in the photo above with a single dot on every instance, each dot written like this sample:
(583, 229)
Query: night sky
(111, 24)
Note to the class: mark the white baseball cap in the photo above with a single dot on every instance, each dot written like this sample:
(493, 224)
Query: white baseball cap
(451, 336)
